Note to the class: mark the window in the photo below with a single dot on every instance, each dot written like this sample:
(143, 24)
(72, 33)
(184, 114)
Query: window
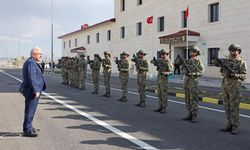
(183, 19)
(88, 39)
(122, 32)
(75, 42)
(212, 52)
(214, 12)
(64, 44)
(160, 24)
(139, 29)
(69, 43)
(109, 35)
(97, 37)
(122, 5)
(139, 2)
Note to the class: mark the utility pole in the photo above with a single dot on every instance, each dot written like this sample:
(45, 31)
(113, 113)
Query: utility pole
(52, 47)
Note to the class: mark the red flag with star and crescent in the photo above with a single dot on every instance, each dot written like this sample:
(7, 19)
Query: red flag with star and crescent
(187, 12)
(150, 20)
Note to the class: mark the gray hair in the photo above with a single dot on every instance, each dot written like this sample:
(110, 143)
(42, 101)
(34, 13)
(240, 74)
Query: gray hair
(33, 50)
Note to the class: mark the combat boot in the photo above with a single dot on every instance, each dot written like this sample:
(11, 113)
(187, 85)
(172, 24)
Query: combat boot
(228, 128)
(120, 99)
(188, 117)
(81, 88)
(142, 104)
(124, 99)
(234, 130)
(104, 95)
(108, 94)
(194, 118)
(163, 110)
(94, 92)
(158, 109)
(138, 104)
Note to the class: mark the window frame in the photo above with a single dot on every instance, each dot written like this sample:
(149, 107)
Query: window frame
(69, 43)
(76, 42)
(139, 29)
(123, 4)
(139, 2)
(214, 12)
(161, 24)
(108, 35)
(98, 37)
(88, 39)
(122, 32)
(210, 54)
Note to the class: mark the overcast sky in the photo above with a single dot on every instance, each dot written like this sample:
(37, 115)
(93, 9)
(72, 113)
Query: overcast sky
(27, 23)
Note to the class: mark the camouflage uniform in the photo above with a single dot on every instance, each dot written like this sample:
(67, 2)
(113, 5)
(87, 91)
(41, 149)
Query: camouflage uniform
(123, 69)
(193, 69)
(231, 87)
(106, 64)
(142, 69)
(76, 73)
(95, 66)
(164, 65)
(70, 66)
(82, 70)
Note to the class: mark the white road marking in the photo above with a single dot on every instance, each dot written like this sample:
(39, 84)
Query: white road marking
(124, 135)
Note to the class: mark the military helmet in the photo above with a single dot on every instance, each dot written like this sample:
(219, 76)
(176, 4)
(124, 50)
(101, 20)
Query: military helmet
(82, 55)
(141, 52)
(163, 51)
(124, 53)
(106, 53)
(235, 47)
(196, 49)
(96, 55)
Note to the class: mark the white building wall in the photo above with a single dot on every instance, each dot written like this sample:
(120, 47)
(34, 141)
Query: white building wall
(233, 27)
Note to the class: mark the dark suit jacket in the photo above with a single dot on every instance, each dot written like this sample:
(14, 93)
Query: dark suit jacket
(33, 80)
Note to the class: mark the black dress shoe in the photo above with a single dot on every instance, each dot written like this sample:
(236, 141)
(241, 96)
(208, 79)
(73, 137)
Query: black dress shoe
(30, 134)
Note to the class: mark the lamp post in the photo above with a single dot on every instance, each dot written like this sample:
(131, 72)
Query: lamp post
(52, 47)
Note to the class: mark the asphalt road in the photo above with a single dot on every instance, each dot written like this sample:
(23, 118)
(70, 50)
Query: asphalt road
(70, 119)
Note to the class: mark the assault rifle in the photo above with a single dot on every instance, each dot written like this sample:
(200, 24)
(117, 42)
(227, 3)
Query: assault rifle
(157, 63)
(220, 62)
(118, 62)
(135, 60)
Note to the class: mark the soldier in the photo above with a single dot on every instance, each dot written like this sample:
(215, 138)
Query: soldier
(106, 64)
(193, 69)
(70, 68)
(234, 71)
(76, 73)
(142, 69)
(123, 68)
(165, 68)
(82, 72)
(95, 66)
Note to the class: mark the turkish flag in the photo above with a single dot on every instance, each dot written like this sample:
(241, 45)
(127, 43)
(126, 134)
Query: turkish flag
(150, 20)
(187, 12)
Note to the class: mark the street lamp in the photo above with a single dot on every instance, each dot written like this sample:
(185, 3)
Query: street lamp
(52, 64)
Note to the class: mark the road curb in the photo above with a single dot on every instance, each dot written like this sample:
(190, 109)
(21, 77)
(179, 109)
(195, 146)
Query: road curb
(181, 95)
(204, 99)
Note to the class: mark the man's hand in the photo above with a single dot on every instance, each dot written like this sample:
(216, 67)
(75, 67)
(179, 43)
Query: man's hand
(37, 95)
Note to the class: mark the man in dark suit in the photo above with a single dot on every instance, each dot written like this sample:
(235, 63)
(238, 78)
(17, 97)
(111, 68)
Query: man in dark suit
(32, 86)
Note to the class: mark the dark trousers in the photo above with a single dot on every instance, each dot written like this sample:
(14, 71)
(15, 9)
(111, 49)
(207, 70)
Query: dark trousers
(177, 67)
(30, 109)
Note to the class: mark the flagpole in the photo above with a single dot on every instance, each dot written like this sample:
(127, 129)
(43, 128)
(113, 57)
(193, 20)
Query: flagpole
(187, 33)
